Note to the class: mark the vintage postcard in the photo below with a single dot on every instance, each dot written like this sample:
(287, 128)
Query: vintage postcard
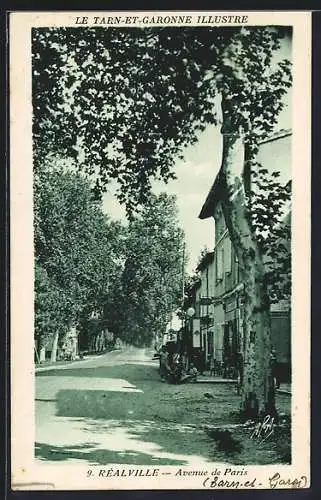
(160, 250)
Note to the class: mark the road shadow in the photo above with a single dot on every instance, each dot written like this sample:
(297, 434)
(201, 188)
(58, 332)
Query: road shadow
(171, 417)
(172, 404)
(97, 457)
(135, 373)
(147, 418)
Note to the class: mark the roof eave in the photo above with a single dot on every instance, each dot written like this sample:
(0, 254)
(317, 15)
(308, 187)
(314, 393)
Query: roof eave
(214, 196)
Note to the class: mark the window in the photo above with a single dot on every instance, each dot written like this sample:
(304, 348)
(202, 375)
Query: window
(219, 263)
(219, 224)
(228, 259)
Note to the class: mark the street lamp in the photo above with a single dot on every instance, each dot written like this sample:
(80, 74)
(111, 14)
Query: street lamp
(190, 312)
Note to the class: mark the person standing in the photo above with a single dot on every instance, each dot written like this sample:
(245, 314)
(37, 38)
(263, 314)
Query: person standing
(274, 369)
(212, 365)
(201, 362)
(240, 371)
(163, 363)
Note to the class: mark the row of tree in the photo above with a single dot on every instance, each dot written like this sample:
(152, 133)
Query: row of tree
(89, 265)
(125, 102)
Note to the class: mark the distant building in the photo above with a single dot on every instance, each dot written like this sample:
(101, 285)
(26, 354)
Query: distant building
(221, 319)
(206, 308)
(192, 327)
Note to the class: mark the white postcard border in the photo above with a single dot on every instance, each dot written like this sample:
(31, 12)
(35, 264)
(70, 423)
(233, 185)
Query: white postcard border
(26, 473)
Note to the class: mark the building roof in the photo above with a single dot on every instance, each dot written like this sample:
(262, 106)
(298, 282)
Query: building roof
(279, 134)
(216, 193)
(197, 284)
(206, 259)
(218, 189)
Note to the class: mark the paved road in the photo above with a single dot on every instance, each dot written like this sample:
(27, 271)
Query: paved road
(113, 409)
(100, 411)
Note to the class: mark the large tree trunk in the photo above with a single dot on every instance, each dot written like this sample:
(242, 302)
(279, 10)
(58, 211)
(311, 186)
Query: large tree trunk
(53, 358)
(42, 354)
(42, 349)
(257, 392)
(74, 342)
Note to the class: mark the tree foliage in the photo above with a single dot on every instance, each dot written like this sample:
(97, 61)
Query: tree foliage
(126, 102)
(86, 263)
(76, 250)
(189, 289)
(49, 306)
(269, 205)
(150, 288)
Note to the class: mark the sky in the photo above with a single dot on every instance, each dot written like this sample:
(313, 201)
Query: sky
(195, 176)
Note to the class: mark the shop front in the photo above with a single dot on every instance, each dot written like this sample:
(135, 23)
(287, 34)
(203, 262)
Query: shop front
(232, 336)
(218, 331)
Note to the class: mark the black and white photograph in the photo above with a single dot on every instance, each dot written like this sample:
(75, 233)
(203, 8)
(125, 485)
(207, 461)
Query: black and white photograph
(160, 250)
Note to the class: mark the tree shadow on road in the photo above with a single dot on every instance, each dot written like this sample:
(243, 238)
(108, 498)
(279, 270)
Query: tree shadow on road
(164, 423)
(98, 457)
(135, 373)
(172, 405)
(157, 415)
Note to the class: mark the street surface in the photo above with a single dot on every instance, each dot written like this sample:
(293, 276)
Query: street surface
(113, 408)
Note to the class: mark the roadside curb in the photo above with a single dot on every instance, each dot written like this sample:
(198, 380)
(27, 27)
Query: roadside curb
(71, 363)
(234, 381)
(284, 391)
(216, 381)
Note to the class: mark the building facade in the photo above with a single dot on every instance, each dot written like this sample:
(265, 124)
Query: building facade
(221, 289)
(206, 308)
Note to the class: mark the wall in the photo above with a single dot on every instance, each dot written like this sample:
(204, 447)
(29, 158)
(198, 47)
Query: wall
(275, 155)
(207, 290)
(218, 331)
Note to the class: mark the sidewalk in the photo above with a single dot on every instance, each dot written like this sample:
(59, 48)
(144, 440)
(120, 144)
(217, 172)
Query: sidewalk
(284, 388)
(60, 366)
(66, 364)
(214, 380)
(119, 412)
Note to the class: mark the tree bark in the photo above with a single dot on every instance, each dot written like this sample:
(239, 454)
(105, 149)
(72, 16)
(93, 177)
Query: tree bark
(42, 354)
(257, 393)
(42, 346)
(36, 353)
(53, 358)
(74, 342)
